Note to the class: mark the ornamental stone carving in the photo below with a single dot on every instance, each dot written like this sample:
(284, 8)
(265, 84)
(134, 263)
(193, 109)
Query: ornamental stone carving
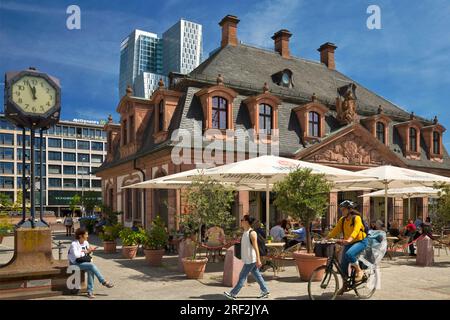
(346, 104)
(349, 150)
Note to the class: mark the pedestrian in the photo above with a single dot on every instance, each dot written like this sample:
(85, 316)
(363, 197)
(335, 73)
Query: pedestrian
(412, 234)
(251, 258)
(80, 255)
(68, 223)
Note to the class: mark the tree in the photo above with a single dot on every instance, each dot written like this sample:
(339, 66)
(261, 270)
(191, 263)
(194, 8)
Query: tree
(209, 204)
(90, 200)
(75, 203)
(304, 196)
(441, 209)
(17, 206)
(5, 201)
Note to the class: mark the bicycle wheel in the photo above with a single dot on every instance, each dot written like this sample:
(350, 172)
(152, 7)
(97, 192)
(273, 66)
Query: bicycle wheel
(366, 289)
(326, 288)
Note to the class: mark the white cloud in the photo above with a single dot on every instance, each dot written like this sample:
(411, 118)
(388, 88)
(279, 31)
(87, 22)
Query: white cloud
(29, 8)
(266, 18)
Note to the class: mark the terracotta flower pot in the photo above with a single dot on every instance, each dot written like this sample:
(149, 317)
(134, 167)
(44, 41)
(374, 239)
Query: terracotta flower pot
(129, 252)
(109, 246)
(307, 263)
(194, 269)
(154, 257)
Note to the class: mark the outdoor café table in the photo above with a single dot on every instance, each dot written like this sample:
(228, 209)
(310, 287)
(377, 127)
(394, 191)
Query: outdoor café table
(391, 246)
(274, 250)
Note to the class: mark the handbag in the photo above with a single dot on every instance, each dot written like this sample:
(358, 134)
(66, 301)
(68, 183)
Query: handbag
(85, 258)
(237, 250)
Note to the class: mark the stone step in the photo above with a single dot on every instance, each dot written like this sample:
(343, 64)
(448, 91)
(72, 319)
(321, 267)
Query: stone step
(26, 294)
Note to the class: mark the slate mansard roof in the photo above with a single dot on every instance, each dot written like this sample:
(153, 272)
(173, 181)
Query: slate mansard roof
(245, 69)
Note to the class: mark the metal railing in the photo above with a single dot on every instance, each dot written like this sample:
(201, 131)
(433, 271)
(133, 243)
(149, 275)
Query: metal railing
(59, 246)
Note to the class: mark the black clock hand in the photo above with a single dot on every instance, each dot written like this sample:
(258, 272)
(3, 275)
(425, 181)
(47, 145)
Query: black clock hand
(33, 91)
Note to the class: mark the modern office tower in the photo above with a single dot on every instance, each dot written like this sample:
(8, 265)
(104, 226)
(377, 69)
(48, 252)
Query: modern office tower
(139, 52)
(145, 58)
(146, 83)
(72, 150)
(182, 47)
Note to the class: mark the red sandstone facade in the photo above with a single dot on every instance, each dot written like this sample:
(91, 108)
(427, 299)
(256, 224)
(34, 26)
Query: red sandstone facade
(338, 132)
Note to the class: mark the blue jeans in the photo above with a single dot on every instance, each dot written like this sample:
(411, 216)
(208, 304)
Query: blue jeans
(251, 267)
(351, 253)
(91, 270)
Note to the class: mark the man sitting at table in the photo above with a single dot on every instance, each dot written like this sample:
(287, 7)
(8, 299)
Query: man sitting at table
(300, 232)
(277, 232)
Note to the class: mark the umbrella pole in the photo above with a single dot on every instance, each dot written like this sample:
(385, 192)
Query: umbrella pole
(385, 205)
(267, 207)
(409, 207)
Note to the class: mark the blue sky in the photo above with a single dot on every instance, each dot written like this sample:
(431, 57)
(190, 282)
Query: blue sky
(407, 61)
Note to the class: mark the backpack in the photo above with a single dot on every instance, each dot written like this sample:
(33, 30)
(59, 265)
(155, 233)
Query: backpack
(261, 243)
(364, 223)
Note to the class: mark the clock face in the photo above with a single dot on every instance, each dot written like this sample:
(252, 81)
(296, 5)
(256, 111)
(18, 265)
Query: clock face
(33, 94)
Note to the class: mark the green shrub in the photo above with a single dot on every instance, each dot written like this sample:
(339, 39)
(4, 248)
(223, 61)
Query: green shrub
(157, 237)
(132, 238)
(110, 233)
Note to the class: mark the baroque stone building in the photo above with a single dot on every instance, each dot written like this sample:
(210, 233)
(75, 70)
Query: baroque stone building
(298, 108)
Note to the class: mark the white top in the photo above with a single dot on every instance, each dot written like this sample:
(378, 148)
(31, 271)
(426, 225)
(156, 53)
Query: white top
(75, 250)
(248, 253)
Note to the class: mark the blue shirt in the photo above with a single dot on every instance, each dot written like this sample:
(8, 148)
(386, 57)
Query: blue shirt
(301, 234)
(277, 233)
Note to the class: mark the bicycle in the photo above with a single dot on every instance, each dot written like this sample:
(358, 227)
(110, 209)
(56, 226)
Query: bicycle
(324, 282)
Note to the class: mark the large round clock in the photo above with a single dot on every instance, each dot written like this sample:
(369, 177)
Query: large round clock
(33, 99)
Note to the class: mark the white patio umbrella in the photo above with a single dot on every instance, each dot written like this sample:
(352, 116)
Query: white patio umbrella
(394, 177)
(410, 192)
(174, 181)
(268, 170)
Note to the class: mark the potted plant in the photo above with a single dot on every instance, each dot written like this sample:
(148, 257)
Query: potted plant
(269, 239)
(109, 236)
(208, 203)
(304, 196)
(130, 242)
(154, 242)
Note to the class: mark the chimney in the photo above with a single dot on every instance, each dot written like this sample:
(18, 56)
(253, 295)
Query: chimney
(327, 54)
(281, 39)
(229, 30)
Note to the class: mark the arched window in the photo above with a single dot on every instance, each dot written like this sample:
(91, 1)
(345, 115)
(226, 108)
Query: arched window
(219, 113)
(314, 124)
(381, 136)
(412, 139)
(436, 143)
(161, 116)
(265, 118)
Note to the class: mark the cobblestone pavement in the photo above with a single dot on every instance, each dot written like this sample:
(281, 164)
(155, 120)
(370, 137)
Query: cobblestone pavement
(134, 279)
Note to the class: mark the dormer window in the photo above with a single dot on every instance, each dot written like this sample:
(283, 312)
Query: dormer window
(161, 116)
(125, 132)
(413, 139)
(217, 106)
(314, 124)
(311, 118)
(263, 112)
(410, 133)
(436, 142)
(381, 132)
(265, 118)
(283, 78)
(219, 113)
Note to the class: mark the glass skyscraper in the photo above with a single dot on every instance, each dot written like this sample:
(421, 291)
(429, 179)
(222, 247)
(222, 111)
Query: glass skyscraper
(182, 47)
(145, 58)
(140, 52)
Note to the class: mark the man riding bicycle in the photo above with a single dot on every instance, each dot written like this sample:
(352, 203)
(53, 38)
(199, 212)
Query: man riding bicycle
(355, 237)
